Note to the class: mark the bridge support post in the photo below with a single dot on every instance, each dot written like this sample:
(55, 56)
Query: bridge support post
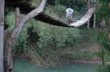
(88, 24)
(94, 21)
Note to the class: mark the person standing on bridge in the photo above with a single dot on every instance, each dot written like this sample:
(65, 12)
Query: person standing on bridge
(69, 15)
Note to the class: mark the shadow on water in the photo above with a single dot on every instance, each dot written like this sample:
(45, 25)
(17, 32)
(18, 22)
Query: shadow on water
(22, 65)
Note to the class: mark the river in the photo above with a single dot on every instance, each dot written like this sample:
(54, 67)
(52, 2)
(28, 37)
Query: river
(22, 65)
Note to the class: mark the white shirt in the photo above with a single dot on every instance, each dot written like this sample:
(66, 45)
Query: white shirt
(69, 11)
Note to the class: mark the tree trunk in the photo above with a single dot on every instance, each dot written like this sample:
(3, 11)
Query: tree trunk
(103, 57)
(1, 35)
(20, 22)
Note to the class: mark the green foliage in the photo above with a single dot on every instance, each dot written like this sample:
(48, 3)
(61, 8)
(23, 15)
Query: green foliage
(89, 36)
(99, 53)
(104, 68)
(75, 4)
(10, 20)
(53, 39)
(103, 40)
(103, 11)
(78, 55)
(21, 43)
(34, 3)
(57, 11)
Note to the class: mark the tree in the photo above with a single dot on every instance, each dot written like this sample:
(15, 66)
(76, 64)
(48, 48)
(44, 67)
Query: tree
(20, 22)
(104, 42)
(103, 12)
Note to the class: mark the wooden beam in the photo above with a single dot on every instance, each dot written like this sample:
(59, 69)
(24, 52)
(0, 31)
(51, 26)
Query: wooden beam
(1, 35)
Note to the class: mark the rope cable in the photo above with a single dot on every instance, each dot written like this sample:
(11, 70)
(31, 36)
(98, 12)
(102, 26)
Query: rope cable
(76, 18)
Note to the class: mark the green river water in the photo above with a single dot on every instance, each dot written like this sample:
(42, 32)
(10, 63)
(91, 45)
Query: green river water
(22, 65)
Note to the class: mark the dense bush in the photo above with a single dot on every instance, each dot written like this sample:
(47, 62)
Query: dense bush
(103, 10)
(103, 40)
(53, 39)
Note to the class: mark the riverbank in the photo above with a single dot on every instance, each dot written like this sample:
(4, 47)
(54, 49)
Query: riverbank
(62, 62)
(67, 56)
(24, 65)
(85, 62)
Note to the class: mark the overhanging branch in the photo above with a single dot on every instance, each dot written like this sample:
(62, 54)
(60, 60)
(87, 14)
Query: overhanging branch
(30, 15)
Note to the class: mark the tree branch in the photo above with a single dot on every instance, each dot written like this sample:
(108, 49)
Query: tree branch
(30, 15)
